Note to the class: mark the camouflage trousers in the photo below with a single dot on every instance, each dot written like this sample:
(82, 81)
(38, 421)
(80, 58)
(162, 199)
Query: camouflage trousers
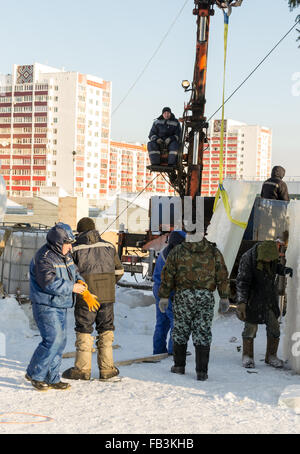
(193, 312)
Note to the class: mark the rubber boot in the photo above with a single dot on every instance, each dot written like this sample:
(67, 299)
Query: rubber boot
(202, 358)
(179, 356)
(105, 360)
(248, 358)
(83, 360)
(271, 353)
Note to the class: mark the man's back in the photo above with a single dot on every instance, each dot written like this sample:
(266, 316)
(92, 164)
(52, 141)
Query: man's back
(98, 263)
(274, 188)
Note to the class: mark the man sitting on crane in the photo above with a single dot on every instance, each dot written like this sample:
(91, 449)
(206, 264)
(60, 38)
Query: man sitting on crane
(165, 133)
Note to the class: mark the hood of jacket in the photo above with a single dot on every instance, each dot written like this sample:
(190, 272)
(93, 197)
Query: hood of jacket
(176, 237)
(58, 235)
(278, 172)
(199, 246)
(88, 237)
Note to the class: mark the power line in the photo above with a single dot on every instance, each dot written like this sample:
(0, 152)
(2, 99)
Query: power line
(255, 69)
(151, 58)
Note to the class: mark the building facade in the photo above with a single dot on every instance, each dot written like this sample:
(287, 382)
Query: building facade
(247, 154)
(128, 171)
(54, 131)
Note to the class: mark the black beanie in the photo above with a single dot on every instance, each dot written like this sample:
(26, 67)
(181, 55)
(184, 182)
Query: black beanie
(166, 109)
(85, 224)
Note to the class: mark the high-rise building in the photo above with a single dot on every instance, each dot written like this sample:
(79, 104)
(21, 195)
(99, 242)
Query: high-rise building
(54, 131)
(128, 170)
(247, 154)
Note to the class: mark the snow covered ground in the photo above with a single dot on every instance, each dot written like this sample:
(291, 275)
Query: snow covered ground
(150, 399)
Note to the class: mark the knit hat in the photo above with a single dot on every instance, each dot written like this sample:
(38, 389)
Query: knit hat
(166, 109)
(85, 224)
(266, 252)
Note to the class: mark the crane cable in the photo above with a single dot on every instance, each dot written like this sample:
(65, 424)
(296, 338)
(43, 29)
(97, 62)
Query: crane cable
(221, 190)
(125, 209)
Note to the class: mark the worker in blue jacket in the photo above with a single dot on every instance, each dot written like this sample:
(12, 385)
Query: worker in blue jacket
(164, 321)
(53, 280)
(166, 131)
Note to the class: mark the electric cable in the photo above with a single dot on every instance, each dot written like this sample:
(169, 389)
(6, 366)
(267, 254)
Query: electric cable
(151, 58)
(256, 68)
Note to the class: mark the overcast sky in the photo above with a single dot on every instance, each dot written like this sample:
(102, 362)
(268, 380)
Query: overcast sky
(115, 39)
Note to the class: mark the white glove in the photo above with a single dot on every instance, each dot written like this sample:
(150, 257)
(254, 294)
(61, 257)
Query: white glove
(163, 304)
(224, 305)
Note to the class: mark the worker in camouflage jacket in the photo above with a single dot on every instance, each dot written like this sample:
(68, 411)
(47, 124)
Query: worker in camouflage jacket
(257, 298)
(166, 132)
(194, 270)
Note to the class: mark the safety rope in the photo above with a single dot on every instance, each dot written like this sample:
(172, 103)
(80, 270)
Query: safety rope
(221, 190)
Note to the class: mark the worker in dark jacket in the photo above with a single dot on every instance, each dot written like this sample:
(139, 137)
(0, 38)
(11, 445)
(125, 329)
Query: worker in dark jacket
(274, 187)
(164, 320)
(99, 264)
(257, 298)
(53, 278)
(166, 131)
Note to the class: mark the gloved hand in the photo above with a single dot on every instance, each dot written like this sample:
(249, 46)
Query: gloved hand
(241, 311)
(224, 305)
(159, 141)
(288, 271)
(90, 299)
(168, 140)
(163, 304)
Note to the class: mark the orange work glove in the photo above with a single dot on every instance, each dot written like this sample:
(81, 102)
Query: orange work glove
(90, 299)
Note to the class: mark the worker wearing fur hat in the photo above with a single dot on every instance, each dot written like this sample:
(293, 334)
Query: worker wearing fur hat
(165, 133)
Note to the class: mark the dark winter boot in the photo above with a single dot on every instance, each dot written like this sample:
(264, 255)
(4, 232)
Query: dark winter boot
(39, 385)
(248, 358)
(60, 386)
(75, 374)
(179, 355)
(271, 353)
(202, 358)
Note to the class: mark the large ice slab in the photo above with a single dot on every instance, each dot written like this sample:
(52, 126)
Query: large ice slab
(291, 341)
(290, 398)
(222, 231)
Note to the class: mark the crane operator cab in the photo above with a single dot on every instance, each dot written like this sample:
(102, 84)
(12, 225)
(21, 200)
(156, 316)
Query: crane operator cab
(164, 141)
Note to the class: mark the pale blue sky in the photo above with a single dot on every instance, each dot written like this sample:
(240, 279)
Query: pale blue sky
(115, 39)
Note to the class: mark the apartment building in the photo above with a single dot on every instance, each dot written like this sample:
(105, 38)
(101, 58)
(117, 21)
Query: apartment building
(247, 154)
(54, 131)
(128, 172)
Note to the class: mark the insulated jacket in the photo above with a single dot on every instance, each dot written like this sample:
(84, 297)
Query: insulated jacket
(256, 288)
(195, 265)
(52, 274)
(162, 129)
(274, 187)
(99, 264)
(175, 238)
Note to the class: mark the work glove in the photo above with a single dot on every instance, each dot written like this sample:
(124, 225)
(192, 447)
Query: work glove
(163, 304)
(241, 311)
(159, 141)
(90, 299)
(168, 140)
(288, 271)
(224, 305)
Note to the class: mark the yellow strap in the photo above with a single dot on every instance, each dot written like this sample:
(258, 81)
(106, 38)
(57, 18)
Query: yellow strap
(221, 190)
